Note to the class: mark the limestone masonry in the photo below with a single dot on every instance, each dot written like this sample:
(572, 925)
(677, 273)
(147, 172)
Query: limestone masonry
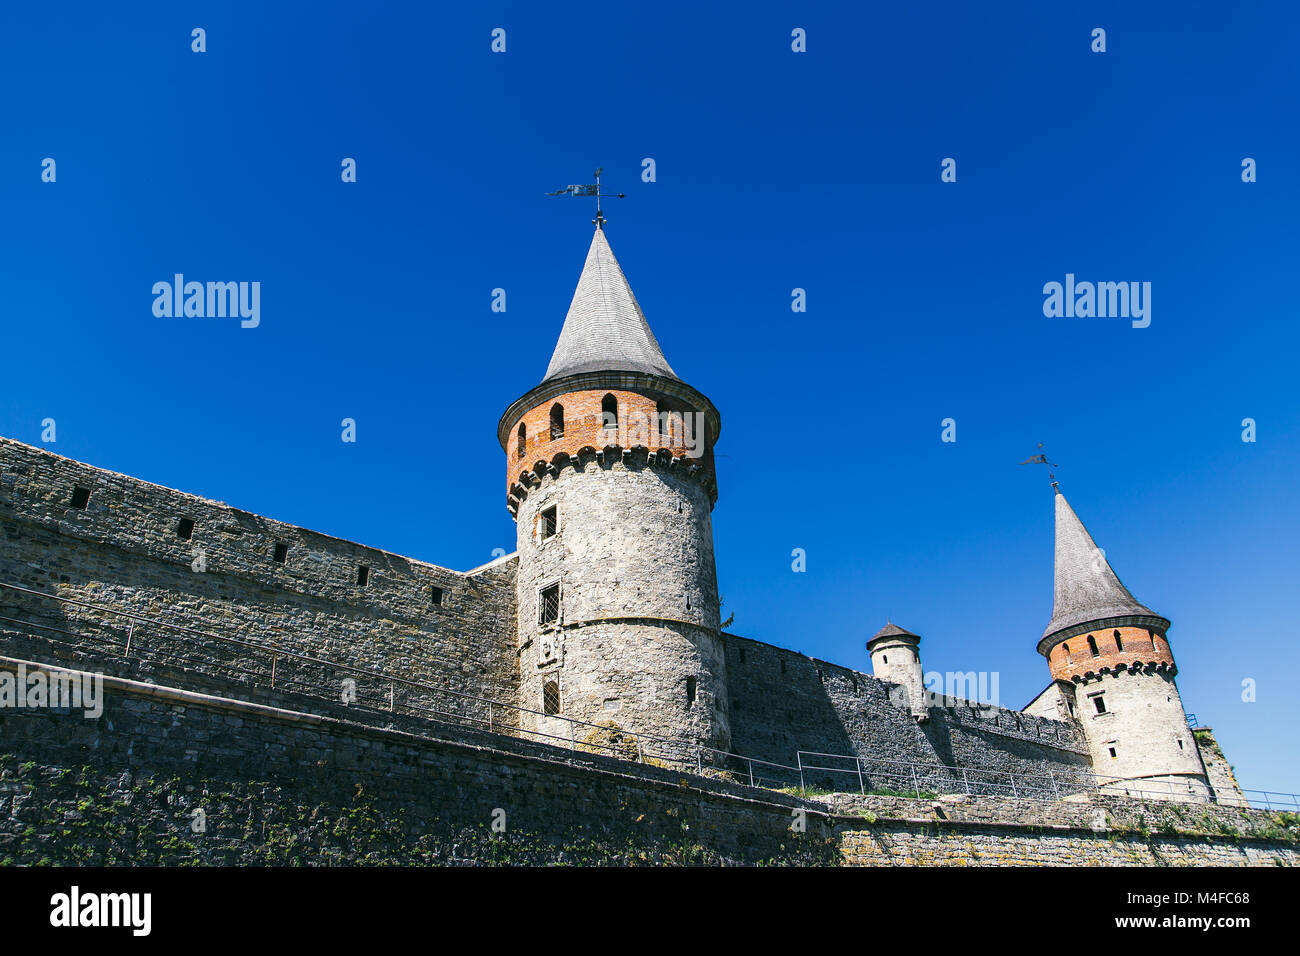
(588, 666)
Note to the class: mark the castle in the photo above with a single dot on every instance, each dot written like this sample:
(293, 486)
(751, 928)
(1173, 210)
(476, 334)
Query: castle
(602, 630)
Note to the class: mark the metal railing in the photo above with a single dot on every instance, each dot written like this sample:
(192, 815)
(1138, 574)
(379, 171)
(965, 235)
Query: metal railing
(907, 778)
(380, 692)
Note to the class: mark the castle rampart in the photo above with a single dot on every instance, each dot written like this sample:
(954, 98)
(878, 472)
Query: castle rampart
(122, 548)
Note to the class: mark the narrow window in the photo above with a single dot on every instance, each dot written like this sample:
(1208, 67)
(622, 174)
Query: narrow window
(281, 552)
(548, 522)
(551, 697)
(609, 411)
(435, 594)
(690, 692)
(1119, 642)
(185, 528)
(80, 497)
(884, 658)
(1099, 703)
(521, 441)
(557, 421)
(363, 575)
(1092, 646)
(548, 605)
(664, 423)
(1112, 751)
(1180, 743)
(1067, 650)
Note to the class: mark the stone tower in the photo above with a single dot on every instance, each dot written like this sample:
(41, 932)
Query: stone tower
(610, 479)
(1112, 658)
(896, 657)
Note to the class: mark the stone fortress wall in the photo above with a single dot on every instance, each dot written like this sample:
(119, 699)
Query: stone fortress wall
(122, 549)
(282, 787)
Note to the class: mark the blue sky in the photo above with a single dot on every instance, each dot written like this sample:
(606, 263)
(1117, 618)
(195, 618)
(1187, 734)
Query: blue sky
(775, 170)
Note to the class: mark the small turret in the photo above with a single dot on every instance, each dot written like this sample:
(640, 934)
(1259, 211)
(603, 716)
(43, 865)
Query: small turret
(896, 658)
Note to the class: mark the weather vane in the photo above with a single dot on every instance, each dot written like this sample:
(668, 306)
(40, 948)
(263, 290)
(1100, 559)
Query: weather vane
(590, 190)
(1041, 459)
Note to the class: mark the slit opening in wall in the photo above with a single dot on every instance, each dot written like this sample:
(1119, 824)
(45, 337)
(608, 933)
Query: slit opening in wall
(435, 595)
(185, 529)
(80, 497)
(281, 553)
(363, 575)
(690, 692)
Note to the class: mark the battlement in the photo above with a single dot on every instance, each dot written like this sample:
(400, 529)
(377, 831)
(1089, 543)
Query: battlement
(610, 457)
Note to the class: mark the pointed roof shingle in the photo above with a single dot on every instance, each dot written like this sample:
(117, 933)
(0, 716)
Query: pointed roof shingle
(1086, 588)
(605, 329)
(892, 630)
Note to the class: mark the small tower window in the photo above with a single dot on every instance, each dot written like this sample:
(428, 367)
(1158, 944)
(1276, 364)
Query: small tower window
(185, 529)
(557, 421)
(521, 440)
(690, 692)
(551, 698)
(1119, 642)
(1100, 703)
(1112, 751)
(548, 605)
(884, 658)
(1092, 646)
(363, 575)
(548, 522)
(1067, 650)
(609, 411)
(435, 595)
(281, 552)
(80, 497)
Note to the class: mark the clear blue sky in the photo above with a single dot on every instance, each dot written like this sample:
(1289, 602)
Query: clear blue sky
(775, 170)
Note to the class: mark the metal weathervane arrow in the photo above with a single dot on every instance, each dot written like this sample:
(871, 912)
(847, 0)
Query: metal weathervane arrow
(1041, 459)
(590, 190)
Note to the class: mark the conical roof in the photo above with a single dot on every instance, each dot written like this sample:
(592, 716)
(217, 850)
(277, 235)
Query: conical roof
(605, 329)
(892, 630)
(1086, 588)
